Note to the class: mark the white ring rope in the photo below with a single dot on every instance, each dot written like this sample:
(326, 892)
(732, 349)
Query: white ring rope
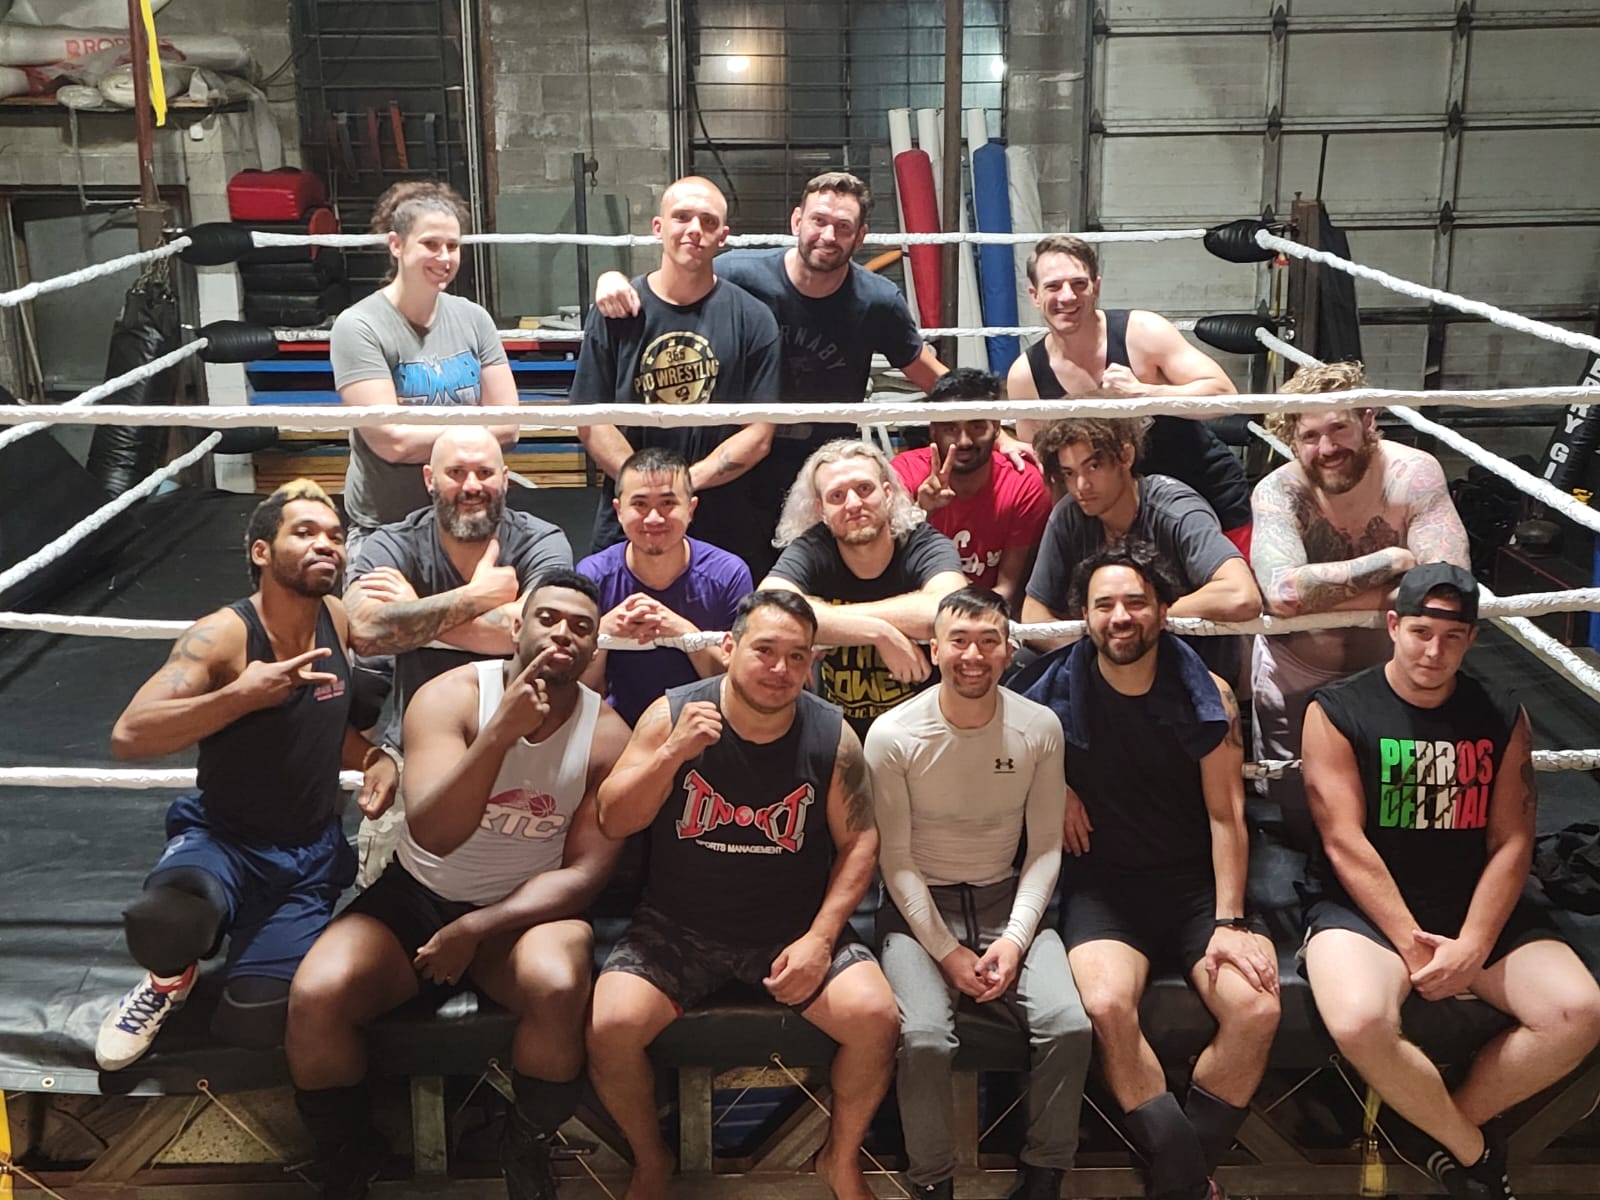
(134, 779)
(1279, 447)
(1536, 604)
(127, 379)
(1499, 316)
(663, 416)
(264, 239)
(111, 627)
(90, 273)
(1543, 760)
(49, 553)
(130, 778)
(291, 336)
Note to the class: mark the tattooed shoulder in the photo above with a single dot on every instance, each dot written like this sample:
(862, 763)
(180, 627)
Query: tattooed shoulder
(851, 768)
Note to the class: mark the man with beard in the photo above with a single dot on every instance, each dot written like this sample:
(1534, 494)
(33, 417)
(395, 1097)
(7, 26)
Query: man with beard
(442, 587)
(993, 514)
(858, 548)
(834, 316)
(693, 339)
(501, 858)
(1107, 501)
(1422, 784)
(758, 812)
(659, 583)
(1119, 353)
(1335, 529)
(1154, 759)
(262, 686)
(966, 780)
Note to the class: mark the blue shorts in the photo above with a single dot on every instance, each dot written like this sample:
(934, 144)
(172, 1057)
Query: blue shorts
(280, 898)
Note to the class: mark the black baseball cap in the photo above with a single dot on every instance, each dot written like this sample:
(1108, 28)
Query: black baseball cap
(1411, 600)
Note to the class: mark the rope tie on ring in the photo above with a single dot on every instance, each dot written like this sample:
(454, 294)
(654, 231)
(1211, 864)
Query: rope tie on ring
(90, 273)
(777, 1060)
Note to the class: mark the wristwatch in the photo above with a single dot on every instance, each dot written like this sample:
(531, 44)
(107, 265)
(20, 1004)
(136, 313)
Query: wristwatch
(1234, 923)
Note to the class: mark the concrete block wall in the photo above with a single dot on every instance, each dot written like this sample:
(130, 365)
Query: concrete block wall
(553, 89)
(1047, 57)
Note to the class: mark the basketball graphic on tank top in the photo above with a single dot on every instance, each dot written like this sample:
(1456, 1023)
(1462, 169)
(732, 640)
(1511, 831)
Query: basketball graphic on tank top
(521, 812)
(677, 368)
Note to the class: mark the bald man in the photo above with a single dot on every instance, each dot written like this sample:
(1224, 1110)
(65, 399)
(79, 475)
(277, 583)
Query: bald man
(443, 586)
(695, 339)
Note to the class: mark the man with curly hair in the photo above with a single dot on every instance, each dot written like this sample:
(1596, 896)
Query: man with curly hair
(857, 546)
(1107, 501)
(1335, 529)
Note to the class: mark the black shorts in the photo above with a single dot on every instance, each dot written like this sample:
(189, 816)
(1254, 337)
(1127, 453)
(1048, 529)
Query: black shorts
(412, 912)
(1167, 918)
(1527, 923)
(688, 966)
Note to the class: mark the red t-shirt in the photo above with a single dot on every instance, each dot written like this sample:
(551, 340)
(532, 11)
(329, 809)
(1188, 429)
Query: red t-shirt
(1010, 512)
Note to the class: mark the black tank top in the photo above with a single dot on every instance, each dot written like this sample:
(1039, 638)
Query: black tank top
(1139, 786)
(273, 775)
(1427, 774)
(740, 851)
(1180, 447)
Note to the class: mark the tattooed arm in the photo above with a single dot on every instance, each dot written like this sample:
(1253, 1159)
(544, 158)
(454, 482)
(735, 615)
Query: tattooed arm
(732, 457)
(1513, 808)
(1222, 782)
(387, 617)
(1434, 532)
(855, 837)
(1286, 519)
(191, 696)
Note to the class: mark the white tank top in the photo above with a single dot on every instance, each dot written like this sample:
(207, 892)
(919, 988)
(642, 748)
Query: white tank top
(524, 827)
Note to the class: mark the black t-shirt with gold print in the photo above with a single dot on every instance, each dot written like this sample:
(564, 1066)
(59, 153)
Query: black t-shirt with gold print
(724, 348)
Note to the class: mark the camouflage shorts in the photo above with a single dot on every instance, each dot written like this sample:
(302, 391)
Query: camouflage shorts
(688, 967)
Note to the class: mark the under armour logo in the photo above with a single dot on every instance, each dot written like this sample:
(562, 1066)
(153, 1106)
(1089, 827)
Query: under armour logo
(1005, 764)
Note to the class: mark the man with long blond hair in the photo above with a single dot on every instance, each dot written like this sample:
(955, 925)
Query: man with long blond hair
(856, 545)
(1335, 529)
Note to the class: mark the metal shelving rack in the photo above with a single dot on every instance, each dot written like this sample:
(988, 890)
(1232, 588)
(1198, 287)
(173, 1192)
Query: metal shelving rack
(388, 92)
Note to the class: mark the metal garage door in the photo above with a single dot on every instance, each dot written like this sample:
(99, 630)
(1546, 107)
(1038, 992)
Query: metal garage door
(1456, 142)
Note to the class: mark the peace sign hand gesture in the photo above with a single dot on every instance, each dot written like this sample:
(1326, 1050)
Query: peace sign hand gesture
(935, 491)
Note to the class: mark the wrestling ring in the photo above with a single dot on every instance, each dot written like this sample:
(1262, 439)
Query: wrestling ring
(192, 1105)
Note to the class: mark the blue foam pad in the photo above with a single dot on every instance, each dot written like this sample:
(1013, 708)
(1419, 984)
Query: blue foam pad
(997, 271)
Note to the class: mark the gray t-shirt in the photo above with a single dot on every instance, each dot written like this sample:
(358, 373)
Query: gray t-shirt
(1175, 520)
(442, 364)
(531, 545)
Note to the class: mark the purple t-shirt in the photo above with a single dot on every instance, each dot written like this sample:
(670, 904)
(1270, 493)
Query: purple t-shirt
(706, 594)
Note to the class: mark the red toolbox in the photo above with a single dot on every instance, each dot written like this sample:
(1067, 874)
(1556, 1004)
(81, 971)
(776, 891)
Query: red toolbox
(281, 195)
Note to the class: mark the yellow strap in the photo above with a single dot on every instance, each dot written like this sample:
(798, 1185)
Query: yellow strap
(1374, 1176)
(158, 83)
(5, 1147)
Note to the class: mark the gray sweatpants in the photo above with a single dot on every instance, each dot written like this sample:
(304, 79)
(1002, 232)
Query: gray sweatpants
(1043, 1003)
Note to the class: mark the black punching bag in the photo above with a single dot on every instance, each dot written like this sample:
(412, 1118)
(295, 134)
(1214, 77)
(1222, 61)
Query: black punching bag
(1573, 441)
(122, 455)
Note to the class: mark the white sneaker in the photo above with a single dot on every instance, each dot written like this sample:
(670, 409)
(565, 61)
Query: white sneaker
(128, 1030)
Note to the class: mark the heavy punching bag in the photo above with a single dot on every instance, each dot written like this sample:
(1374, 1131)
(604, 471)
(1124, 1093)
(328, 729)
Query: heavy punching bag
(121, 455)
